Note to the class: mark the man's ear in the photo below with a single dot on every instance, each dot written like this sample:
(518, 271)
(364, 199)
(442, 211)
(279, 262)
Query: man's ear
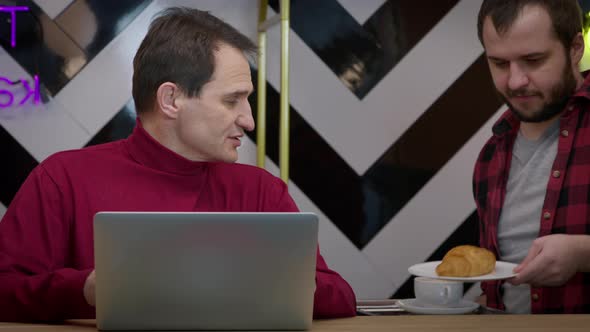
(166, 99)
(577, 49)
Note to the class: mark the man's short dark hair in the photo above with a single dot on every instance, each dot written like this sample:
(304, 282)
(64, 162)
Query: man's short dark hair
(566, 16)
(179, 48)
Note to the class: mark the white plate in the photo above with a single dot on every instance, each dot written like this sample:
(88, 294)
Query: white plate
(413, 306)
(503, 270)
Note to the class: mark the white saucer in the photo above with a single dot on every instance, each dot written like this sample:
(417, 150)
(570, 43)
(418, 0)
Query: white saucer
(503, 270)
(413, 306)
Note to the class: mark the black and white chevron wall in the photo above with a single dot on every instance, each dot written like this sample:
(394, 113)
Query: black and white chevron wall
(391, 101)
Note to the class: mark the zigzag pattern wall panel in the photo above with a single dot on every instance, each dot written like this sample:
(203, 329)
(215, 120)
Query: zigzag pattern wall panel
(390, 104)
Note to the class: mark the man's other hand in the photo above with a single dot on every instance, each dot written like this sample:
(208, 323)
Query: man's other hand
(552, 260)
(89, 289)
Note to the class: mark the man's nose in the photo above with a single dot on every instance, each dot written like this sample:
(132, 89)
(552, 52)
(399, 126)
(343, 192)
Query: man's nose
(518, 78)
(245, 119)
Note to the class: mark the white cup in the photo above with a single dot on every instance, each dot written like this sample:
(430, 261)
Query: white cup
(436, 292)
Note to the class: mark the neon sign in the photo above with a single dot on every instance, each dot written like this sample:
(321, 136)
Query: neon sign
(34, 92)
(13, 10)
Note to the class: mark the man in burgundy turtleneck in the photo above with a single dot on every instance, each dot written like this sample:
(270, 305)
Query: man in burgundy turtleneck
(190, 86)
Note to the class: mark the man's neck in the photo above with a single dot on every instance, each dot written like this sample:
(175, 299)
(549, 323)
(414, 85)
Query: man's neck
(156, 130)
(162, 131)
(532, 131)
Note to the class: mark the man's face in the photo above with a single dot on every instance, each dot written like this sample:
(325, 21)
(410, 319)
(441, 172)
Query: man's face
(530, 67)
(212, 124)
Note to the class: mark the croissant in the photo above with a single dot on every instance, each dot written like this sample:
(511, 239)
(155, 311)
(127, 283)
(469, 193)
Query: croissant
(466, 261)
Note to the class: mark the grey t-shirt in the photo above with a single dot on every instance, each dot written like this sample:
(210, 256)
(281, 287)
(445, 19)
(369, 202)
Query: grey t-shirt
(519, 223)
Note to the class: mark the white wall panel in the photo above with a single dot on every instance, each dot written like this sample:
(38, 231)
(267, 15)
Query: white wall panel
(361, 10)
(53, 7)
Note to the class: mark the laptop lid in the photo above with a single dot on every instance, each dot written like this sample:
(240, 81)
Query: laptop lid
(205, 271)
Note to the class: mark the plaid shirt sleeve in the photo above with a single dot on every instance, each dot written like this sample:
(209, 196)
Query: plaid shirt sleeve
(487, 191)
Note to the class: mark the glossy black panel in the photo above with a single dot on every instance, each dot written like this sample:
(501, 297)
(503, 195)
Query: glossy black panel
(16, 165)
(42, 48)
(327, 180)
(466, 233)
(94, 23)
(361, 55)
(424, 148)
(119, 127)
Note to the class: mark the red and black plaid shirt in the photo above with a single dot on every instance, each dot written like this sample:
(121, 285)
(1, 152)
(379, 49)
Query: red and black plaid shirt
(566, 209)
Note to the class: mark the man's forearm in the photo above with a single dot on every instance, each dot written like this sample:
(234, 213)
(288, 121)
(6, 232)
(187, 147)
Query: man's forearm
(52, 296)
(583, 249)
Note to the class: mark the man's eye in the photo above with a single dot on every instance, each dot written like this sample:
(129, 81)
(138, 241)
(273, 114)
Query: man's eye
(501, 64)
(231, 102)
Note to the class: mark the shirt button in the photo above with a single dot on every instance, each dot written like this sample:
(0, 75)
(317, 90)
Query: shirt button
(556, 174)
(535, 297)
(565, 133)
(571, 107)
(546, 215)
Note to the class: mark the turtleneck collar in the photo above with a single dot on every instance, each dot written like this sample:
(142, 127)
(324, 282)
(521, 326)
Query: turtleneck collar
(149, 152)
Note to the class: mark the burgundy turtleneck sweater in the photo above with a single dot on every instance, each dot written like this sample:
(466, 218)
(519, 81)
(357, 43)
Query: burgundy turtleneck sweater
(46, 237)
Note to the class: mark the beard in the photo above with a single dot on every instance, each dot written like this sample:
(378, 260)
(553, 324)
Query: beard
(559, 96)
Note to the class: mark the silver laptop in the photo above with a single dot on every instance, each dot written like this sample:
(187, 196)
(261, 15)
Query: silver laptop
(205, 271)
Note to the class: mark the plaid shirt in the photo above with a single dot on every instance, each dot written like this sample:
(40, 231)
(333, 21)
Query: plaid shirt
(566, 209)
